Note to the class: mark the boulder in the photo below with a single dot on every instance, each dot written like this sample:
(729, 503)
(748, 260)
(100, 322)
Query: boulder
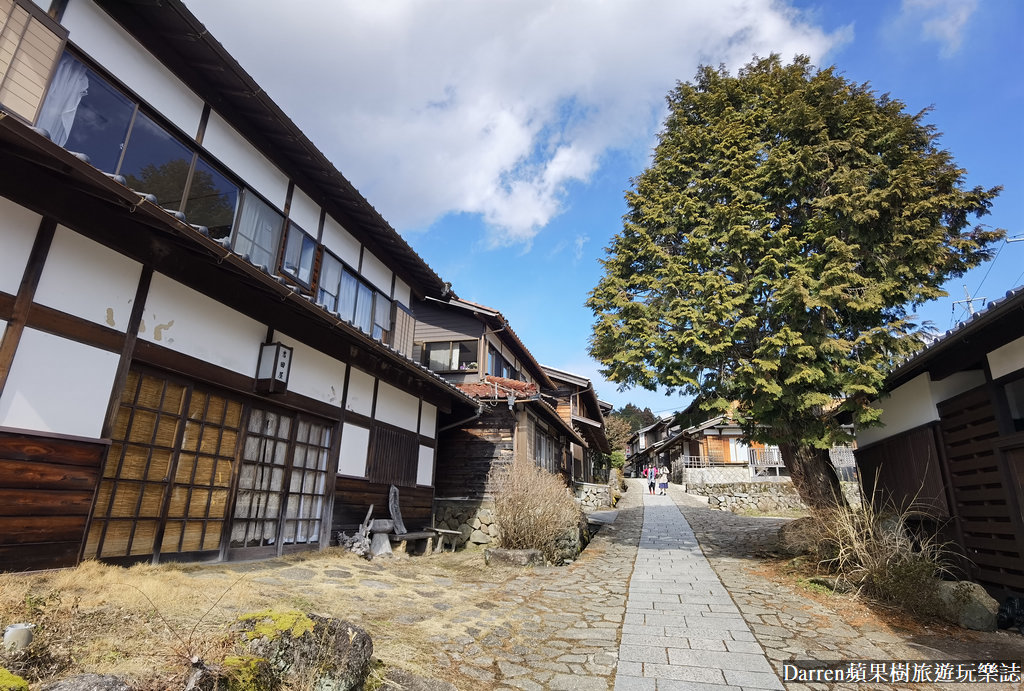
(88, 682)
(798, 537)
(967, 604)
(297, 650)
(514, 557)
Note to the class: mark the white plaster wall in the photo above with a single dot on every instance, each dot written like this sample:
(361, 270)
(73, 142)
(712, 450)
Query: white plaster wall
(313, 373)
(1007, 359)
(188, 322)
(18, 228)
(337, 240)
(956, 384)
(907, 407)
(305, 212)
(402, 292)
(425, 467)
(102, 39)
(57, 385)
(88, 280)
(375, 272)
(355, 442)
(360, 392)
(396, 407)
(428, 420)
(242, 158)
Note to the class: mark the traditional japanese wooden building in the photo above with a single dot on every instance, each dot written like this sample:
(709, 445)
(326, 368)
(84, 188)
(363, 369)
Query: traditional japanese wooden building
(952, 445)
(207, 340)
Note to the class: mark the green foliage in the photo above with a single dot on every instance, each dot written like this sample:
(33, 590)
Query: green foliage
(773, 250)
(271, 624)
(618, 460)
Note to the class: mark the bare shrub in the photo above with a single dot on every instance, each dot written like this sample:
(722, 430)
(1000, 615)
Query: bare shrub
(534, 508)
(885, 553)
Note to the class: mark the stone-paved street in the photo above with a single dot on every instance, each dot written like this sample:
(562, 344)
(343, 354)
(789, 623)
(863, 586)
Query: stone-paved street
(618, 611)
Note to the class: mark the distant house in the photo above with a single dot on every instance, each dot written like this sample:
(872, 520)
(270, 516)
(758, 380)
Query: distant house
(645, 446)
(576, 402)
(953, 441)
(207, 340)
(475, 348)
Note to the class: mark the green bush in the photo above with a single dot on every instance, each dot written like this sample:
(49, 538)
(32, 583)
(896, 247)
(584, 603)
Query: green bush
(534, 510)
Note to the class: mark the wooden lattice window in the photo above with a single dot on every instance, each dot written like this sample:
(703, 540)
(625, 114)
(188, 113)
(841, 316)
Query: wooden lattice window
(394, 456)
(168, 472)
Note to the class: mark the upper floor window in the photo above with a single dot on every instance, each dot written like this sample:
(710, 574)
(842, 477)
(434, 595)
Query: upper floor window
(450, 356)
(498, 366)
(30, 43)
(85, 113)
(258, 231)
(341, 291)
(299, 253)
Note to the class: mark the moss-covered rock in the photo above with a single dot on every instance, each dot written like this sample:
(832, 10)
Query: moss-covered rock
(278, 649)
(11, 682)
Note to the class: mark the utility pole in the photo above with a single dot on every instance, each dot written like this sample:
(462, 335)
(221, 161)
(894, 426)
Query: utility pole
(969, 300)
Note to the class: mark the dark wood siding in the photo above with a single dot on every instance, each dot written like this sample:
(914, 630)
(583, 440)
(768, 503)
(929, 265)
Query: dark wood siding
(982, 490)
(353, 497)
(46, 489)
(445, 324)
(466, 456)
(904, 470)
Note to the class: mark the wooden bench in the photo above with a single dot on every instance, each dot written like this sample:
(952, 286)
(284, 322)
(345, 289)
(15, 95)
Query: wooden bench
(403, 539)
(451, 535)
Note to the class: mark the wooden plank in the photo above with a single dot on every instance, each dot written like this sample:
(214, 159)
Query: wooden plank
(998, 561)
(32, 448)
(1007, 544)
(49, 555)
(990, 510)
(972, 463)
(44, 502)
(986, 494)
(1000, 578)
(982, 527)
(17, 530)
(34, 475)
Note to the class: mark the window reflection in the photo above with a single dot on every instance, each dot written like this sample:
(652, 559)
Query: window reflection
(83, 113)
(212, 200)
(156, 163)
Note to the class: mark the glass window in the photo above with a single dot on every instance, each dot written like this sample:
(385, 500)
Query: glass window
(347, 299)
(212, 200)
(438, 356)
(466, 355)
(83, 113)
(258, 232)
(330, 282)
(364, 308)
(155, 162)
(381, 317)
(299, 251)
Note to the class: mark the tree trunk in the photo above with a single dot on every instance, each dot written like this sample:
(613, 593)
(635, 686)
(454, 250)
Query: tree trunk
(814, 476)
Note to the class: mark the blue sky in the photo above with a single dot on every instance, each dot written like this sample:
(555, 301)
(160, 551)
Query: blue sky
(499, 137)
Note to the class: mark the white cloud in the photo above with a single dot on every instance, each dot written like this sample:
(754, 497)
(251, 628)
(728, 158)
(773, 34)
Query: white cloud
(490, 108)
(941, 20)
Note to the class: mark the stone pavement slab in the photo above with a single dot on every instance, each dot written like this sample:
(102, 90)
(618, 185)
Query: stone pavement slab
(682, 629)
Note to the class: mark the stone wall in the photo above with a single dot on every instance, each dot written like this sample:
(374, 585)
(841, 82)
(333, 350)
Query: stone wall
(749, 496)
(474, 519)
(593, 497)
(715, 475)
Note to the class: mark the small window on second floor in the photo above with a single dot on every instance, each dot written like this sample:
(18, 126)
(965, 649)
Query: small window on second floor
(212, 200)
(450, 356)
(299, 252)
(258, 232)
(331, 270)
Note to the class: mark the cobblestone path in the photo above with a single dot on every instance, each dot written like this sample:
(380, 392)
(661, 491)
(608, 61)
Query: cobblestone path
(788, 625)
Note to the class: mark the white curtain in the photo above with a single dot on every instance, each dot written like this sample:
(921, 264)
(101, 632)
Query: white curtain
(69, 85)
(259, 228)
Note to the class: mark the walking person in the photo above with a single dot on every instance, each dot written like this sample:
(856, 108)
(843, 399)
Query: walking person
(663, 480)
(651, 474)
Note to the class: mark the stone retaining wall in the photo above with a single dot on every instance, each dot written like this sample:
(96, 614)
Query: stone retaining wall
(593, 497)
(715, 475)
(749, 496)
(474, 519)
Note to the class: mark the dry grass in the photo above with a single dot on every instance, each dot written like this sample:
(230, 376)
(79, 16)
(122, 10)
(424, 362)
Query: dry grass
(146, 622)
(534, 508)
(885, 554)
